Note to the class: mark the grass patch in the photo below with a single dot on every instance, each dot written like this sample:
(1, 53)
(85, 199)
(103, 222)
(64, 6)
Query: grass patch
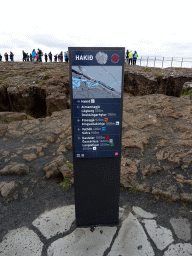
(186, 93)
(41, 82)
(159, 75)
(134, 190)
(65, 184)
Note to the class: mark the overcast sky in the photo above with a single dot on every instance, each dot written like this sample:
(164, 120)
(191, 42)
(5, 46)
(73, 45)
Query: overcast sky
(156, 28)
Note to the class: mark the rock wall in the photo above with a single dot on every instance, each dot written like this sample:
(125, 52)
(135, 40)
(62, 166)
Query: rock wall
(144, 81)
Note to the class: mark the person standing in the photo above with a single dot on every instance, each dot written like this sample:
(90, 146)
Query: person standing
(45, 57)
(55, 57)
(27, 57)
(50, 57)
(11, 56)
(135, 55)
(24, 56)
(33, 55)
(0, 57)
(131, 57)
(37, 57)
(30, 57)
(6, 56)
(127, 56)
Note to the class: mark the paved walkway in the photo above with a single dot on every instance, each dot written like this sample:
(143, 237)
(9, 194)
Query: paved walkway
(54, 234)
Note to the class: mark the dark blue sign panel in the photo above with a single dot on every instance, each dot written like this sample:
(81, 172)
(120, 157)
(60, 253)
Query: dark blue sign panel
(97, 81)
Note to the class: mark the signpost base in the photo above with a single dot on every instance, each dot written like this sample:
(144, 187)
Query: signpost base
(97, 191)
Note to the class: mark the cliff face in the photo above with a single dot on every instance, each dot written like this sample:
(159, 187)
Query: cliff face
(39, 89)
(145, 81)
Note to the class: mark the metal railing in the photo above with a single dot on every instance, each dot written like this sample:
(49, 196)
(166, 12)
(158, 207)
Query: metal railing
(164, 62)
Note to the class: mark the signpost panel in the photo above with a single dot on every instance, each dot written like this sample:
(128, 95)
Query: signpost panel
(96, 79)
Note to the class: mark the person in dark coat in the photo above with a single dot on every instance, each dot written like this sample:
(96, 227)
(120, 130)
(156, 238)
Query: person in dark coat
(0, 57)
(45, 57)
(30, 56)
(11, 56)
(50, 57)
(55, 57)
(24, 56)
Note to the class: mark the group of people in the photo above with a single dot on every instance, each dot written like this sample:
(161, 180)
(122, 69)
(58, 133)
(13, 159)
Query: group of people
(37, 56)
(11, 55)
(131, 57)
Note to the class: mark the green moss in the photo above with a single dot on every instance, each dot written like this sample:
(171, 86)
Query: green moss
(186, 93)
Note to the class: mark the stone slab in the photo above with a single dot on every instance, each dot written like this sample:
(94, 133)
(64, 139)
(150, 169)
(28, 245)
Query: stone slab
(182, 228)
(21, 242)
(56, 221)
(83, 242)
(179, 250)
(161, 236)
(147, 215)
(131, 240)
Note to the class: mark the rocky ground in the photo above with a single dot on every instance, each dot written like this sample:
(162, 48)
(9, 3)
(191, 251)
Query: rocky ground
(36, 149)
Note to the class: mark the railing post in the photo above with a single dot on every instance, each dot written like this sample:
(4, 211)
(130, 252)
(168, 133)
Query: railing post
(171, 61)
(147, 61)
(140, 61)
(162, 62)
(181, 62)
(154, 61)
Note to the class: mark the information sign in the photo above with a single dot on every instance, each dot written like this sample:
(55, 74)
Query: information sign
(96, 93)
(96, 77)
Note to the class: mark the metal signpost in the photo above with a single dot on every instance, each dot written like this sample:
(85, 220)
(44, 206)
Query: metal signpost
(96, 79)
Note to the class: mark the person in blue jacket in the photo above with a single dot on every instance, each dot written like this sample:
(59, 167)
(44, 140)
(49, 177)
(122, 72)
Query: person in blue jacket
(33, 55)
(135, 55)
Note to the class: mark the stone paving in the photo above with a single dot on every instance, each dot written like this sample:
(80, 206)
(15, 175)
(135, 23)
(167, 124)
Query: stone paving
(54, 233)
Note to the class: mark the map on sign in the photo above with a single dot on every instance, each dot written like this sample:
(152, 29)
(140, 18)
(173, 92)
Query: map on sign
(96, 82)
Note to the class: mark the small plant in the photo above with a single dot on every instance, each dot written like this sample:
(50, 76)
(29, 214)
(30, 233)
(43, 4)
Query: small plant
(146, 69)
(134, 190)
(70, 165)
(47, 76)
(65, 184)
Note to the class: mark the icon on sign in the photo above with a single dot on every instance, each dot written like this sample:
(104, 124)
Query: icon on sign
(103, 128)
(111, 144)
(116, 153)
(105, 119)
(94, 148)
(79, 138)
(111, 140)
(79, 129)
(78, 155)
(78, 101)
(107, 137)
(92, 100)
(78, 120)
(78, 106)
(82, 155)
(117, 123)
